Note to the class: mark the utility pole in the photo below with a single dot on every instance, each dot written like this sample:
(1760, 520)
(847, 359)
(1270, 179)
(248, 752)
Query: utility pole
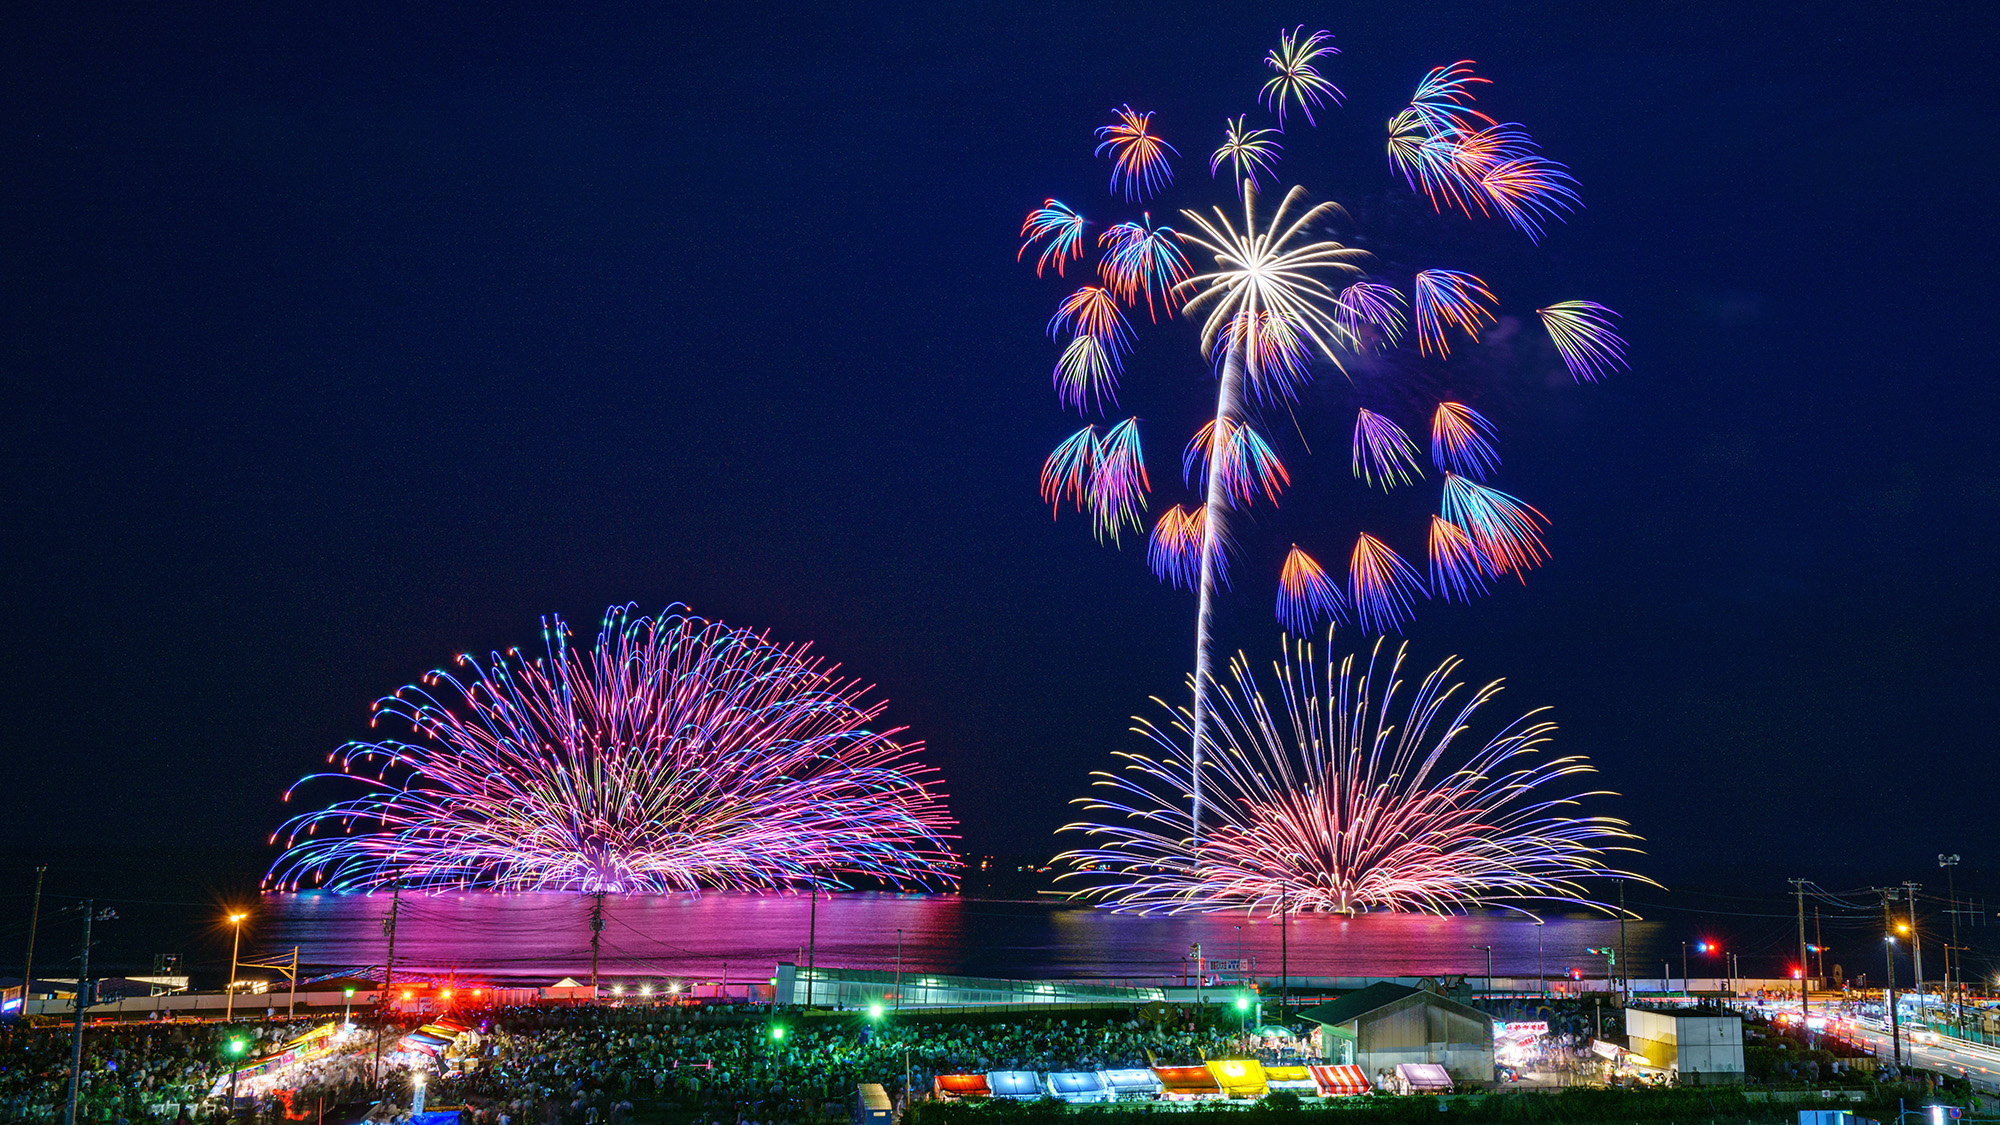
(1889, 951)
(1541, 977)
(1489, 968)
(82, 1002)
(1805, 967)
(1625, 982)
(388, 974)
(899, 977)
(34, 922)
(812, 940)
(596, 933)
(1950, 865)
(1916, 947)
(1686, 988)
(1284, 957)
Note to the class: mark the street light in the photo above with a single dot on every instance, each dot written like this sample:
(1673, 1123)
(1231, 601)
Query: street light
(1243, 1011)
(346, 1007)
(235, 1053)
(1489, 967)
(229, 989)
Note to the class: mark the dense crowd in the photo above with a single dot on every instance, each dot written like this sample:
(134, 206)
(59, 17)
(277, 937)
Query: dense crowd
(147, 1072)
(582, 1066)
(539, 1066)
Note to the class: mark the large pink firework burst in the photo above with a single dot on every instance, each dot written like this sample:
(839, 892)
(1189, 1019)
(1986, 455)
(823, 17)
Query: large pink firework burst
(675, 754)
(1339, 797)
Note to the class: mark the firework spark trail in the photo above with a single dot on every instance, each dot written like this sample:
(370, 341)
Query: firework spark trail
(1382, 587)
(1141, 259)
(1175, 551)
(1383, 454)
(676, 754)
(1449, 297)
(1306, 596)
(1249, 151)
(1118, 483)
(1247, 463)
(1138, 157)
(1064, 229)
(1282, 360)
(1086, 372)
(1507, 531)
(1068, 470)
(1255, 272)
(1461, 441)
(1377, 306)
(1333, 799)
(1459, 569)
(1297, 79)
(1583, 334)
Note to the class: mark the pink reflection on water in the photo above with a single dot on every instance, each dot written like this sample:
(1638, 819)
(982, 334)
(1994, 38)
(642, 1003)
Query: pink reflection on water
(539, 937)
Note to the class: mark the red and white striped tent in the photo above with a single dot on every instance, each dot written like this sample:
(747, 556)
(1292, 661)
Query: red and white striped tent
(1340, 1081)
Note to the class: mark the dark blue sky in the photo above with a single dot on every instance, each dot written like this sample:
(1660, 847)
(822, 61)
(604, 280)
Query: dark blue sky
(338, 343)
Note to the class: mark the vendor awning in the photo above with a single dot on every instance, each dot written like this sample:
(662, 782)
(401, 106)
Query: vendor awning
(1428, 1078)
(949, 1087)
(1019, 1085)
(1340, 1081)
(1238, 1078)
(1186, 1083)
(1133, 1083)
(1296, 1079)
(1078, 1086)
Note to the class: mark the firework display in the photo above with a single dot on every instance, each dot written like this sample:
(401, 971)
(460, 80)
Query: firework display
(674, 754)
(1275, 295)
(1336, 796)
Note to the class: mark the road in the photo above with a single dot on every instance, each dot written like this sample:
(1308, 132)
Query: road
(1979, 1064)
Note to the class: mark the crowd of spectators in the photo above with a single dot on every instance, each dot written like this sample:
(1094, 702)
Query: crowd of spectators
(144, 1072)
(582, 1066)
(540, 1066)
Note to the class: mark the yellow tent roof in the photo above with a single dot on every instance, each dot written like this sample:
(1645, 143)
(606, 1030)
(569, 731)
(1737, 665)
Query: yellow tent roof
(1239, 1078)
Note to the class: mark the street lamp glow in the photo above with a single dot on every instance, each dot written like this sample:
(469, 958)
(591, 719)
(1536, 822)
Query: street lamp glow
(777, 1033)
(236, 1046)
(874, 1011)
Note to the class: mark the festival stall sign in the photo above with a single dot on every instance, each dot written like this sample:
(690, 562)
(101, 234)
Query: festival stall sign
(1135, 1084)
(1238, 1078)
(1343, 1081)
(1187, 1083)
(1291, 1079)
(1078, 1087)
(958, 1087)
(433, 1038)
(1015, 1085)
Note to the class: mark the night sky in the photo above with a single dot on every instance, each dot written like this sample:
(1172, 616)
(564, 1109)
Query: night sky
(340, 342)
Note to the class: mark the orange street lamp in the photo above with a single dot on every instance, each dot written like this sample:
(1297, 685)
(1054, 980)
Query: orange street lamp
(229, 989)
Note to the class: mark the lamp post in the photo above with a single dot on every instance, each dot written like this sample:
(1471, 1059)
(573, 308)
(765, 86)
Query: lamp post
(899, 970)
(1686, 988)
(229, 989)
(1239, 953)
(1541, 977)
(346, 1010)
(1950, 865)
(1489, 967)
(235, 1054)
